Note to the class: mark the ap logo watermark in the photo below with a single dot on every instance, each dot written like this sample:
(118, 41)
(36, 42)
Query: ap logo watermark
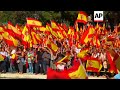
(98, 16)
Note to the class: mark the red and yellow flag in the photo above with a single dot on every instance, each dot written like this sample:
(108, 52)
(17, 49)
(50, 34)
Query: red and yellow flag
(82, 17)
(14, 29)
(111, 62)
(52, 46)
(80, 73)
(85, 37)
(33, 38)
(95, 41)
(82, 53)
(77, 71)
(1, 29)
(93, 65)
(54, 26)
(33, 22)
(52, 32)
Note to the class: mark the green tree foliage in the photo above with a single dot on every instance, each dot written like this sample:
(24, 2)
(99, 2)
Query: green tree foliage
(67, 17)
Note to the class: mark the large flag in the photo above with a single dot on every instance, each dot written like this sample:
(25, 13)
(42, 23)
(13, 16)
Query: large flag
(93, 65)
(53, 74)
(10, 40)
(82, 17)
(113, 68)
(33, 38)
(33, 22)
(26, 38)
(95, 41)
(48, 27)
(14, 29)
(52, 46)
(117, 61)
(85, 37)
(62, 30)
(76, 34)
(54, 26)
(77, 71)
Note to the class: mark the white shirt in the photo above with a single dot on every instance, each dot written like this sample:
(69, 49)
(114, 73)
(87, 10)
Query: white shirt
(4, 53)
(77, 50)
(61, 67)
(13, 51)
(102, 56)
(95, 55)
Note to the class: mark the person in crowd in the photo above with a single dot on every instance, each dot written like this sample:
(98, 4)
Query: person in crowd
(20, 60)
(61, 66)
(105, 66)
(38, 61)
(53, 57)
(7, 59)
(3, 63)
(13, 58)
(30, 57)
(46, 59)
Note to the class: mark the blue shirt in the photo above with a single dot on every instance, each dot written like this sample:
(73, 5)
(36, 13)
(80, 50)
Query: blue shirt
(117, 76)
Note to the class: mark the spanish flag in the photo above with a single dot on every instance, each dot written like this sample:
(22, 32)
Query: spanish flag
(93, 65)
(48, 27)
(62, 30)
(85, 37)
(35, 39)
(2, 57)
(33, 22)
(71, 31)
(1, 29)
(10, 40)
(79, 73)
(54, 26)
(82, 17)
(14, 29)
(19, 28)
(42, 28)
(51, 45)
(60, 35)
(26, 38)
(111, 62)
(82, 53)
(95, 41)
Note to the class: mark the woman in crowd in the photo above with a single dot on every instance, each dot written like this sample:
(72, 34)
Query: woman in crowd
(20, 60)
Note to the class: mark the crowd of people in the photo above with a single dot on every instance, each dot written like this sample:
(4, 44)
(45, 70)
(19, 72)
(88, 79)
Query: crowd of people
(36, 59)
